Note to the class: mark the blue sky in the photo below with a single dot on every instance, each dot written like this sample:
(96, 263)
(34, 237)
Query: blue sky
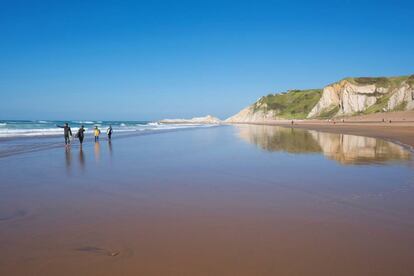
(146, 60)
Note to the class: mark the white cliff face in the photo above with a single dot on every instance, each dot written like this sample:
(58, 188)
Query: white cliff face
(329, 100)
(347, 97)
(404, 94)
(250, 115)
(344, 98)
(350, 98)
(355, 98)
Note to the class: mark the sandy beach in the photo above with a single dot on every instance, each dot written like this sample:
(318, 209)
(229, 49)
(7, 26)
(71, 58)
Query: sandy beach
(227, 200)
(206, 138)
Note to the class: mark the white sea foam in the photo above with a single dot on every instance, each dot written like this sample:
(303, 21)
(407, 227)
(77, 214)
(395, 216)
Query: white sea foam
(10, 130)
(84, 122)
(30, 132)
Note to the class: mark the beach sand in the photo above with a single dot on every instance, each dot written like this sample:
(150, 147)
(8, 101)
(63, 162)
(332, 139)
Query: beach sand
(243, 200)
(400, 129)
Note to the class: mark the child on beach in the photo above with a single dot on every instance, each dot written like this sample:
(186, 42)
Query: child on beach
(96, 132)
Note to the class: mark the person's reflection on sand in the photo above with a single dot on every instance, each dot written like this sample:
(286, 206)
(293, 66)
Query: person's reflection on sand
(81, 159)
(68, 159)
(110, 147)
(97, 150)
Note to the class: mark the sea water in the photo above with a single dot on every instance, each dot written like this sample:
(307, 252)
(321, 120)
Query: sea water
(33, 128)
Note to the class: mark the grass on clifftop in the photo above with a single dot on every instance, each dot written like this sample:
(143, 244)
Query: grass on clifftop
(410, 80)
(295, 104)
(390, 82)
(382, 102)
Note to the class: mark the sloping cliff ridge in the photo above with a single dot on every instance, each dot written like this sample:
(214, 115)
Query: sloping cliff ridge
(350, 96)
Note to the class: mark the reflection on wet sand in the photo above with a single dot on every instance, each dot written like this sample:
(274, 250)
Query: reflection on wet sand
(202, 202)
(110, 147)
(97, 151)
(68, 159)
(81, 159)
(343, 148)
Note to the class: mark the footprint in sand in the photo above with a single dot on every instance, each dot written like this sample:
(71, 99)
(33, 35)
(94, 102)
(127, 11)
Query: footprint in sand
(98, 251)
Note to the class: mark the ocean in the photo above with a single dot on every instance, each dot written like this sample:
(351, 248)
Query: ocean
(37, 128)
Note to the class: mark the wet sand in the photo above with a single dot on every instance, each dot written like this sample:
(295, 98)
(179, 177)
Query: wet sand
(245, 200)
(403, 134)
(397, 126)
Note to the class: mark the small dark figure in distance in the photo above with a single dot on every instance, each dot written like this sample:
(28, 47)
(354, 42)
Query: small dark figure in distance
(80, 134)
(109, 132)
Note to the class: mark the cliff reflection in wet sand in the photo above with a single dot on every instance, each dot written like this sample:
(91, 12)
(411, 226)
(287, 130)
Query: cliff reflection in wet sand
(343, 148)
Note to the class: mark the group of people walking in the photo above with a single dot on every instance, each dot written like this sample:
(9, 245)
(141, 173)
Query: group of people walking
(81, 133)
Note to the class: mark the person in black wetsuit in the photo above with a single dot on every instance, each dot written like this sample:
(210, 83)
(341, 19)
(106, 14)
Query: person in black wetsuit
(109, 132)
(66, 131)
(81, 134)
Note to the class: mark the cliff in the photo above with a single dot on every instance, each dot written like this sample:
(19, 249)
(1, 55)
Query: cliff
(354, 96)
(294, 104)
(350, 96)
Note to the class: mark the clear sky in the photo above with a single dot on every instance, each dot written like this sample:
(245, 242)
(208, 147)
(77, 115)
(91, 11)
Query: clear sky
(145, 60)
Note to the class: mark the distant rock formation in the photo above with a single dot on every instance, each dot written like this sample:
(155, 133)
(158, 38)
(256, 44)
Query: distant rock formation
(196, 120)
(350, 96)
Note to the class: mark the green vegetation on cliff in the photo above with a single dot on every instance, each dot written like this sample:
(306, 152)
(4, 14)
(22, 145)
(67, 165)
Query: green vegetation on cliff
(410, 80)
(327, 114)
(386, 82)
(294, 104)
(379, 106)
(347, 97)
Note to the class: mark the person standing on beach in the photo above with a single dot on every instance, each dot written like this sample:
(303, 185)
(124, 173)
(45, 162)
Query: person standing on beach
(109, 132)
(96, 132)
(66, 131)
(81, 134)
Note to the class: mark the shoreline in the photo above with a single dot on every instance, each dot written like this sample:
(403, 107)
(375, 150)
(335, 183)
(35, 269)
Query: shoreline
(401, 132)
(30, 144)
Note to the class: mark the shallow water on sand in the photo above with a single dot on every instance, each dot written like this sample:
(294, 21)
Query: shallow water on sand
(243, 200)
